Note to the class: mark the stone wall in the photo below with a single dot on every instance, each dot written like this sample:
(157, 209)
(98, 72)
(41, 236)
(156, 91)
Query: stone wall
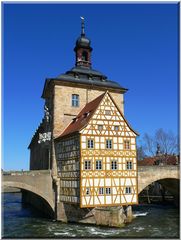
(63, 110)
(104, 216)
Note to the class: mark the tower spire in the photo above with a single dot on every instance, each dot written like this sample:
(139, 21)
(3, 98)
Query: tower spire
(82, 27)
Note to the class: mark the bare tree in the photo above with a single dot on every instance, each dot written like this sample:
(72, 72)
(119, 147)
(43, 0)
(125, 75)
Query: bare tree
(140, 153)
(167, 141)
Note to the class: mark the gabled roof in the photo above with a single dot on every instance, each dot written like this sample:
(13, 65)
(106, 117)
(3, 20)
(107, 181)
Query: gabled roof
(83, 117)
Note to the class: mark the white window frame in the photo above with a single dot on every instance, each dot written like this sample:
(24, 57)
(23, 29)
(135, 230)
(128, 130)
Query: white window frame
(90, 143)
(128, 190)
(87, 164)
(101, 191)
(75, 100)
(129, 165)
(109, 144)
(98, 165)
(108, 190)
(114, 165)
(127, 145)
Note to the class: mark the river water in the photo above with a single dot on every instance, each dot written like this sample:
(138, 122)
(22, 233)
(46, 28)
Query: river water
(23, 221)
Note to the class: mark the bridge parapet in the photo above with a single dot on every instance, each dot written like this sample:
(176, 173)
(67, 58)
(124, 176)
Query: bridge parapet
(29, 173)
(156, 167)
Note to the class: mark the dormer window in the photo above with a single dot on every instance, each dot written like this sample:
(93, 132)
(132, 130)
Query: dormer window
(86, 114)
(74, 120)
(75, 100)
(76, 76)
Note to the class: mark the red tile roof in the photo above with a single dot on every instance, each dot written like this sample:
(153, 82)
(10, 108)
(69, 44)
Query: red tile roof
(168, 160)
(82, 119)
(146, 161)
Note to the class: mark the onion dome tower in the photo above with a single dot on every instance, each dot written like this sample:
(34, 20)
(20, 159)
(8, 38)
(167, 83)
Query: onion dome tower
(83, 73)
(83, 48)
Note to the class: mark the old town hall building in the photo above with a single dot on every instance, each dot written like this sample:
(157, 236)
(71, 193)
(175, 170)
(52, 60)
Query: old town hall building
(84, 138)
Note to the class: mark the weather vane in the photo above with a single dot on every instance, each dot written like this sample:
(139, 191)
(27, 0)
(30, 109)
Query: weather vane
(82, 26)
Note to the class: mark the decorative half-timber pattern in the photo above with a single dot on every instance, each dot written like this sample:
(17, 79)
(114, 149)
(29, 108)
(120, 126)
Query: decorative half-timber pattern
(102, 143)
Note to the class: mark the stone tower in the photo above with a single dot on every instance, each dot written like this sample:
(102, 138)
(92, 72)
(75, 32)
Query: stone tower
(65, 95)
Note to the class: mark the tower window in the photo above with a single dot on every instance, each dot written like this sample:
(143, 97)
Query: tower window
(84, 56)
(98, 165)
(126, 144)
(75, 100)
(90, 143)
(108, 144)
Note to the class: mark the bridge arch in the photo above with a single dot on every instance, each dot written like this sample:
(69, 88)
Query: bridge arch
(32, 189)
(150, 174)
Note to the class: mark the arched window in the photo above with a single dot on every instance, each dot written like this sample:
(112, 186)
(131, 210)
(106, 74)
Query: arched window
(85, 56)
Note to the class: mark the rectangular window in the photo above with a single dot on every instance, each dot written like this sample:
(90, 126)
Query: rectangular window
(87, 165)
(128, 190)
(101, 190)
(98, 164)
(126, 144)
(100, 127)
(87, 191)
(129, 165)
(108, 143)
(75, 100)
(114, 165)
(108, 190)
(90, 143)
(107, 112)
(116, 128)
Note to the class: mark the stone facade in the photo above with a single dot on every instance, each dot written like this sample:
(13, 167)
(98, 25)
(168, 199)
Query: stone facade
(64, 112)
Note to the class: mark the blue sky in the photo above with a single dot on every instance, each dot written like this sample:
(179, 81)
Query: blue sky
(133, 44)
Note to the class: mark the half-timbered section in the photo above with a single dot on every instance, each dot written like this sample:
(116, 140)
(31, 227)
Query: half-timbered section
(108, 158)
(108, 167)
(68, 159)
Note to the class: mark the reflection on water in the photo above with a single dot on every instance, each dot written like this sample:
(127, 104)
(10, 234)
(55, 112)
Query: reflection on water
(152, 221)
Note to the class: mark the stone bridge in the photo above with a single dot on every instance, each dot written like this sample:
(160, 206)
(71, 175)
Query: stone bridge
(40, 183)
(37, 182)
(163, 174)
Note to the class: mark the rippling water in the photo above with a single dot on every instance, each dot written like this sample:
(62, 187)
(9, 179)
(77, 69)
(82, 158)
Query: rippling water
(152, 221)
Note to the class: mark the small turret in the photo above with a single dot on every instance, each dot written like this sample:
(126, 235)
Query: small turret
(83, 48)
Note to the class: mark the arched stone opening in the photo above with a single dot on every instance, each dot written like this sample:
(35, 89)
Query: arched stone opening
(33, 197)
(163, 189)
